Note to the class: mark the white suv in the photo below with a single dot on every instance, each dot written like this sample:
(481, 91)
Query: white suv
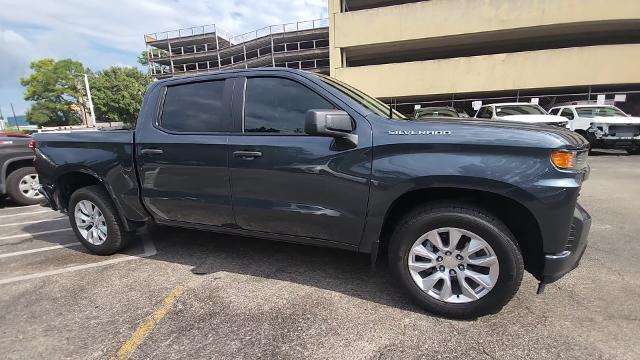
(605, 126)
(523, 112)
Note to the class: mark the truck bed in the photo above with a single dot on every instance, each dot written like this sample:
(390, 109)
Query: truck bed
(106, 155)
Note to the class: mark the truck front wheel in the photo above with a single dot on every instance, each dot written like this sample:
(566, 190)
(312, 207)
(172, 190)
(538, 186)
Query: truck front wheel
(456, 260)
(95, 222)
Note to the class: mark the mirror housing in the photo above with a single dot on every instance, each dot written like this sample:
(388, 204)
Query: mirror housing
(334, 123)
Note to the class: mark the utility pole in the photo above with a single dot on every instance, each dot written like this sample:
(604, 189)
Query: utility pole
(1, 120)
(14, 117)
(93, 115)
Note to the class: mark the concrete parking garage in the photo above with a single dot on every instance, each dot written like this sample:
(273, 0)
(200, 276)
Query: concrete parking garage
(203, 295)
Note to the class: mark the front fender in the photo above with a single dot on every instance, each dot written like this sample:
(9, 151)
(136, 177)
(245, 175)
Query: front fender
(523, 175)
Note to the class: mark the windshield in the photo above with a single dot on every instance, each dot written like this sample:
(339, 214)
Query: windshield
(505, 110)
(593, 111)
(374, 105)
(439, 112)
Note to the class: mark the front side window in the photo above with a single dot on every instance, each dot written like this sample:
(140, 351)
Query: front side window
(196, 107)
(554, 111)
(279, 106)
(524, 109)
(485, 113)
(567, 113)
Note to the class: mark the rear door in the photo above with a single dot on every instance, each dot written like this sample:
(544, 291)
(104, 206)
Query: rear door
(287, 182)
(182, 154)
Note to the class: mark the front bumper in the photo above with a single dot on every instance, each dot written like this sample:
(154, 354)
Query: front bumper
(558, 265)
(614, 142)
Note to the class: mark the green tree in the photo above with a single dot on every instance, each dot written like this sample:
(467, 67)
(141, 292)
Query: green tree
(117, 94)
(57, 92)
(142, 58)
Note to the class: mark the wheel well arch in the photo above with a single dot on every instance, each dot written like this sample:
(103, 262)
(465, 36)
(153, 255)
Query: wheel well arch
(16, 164)
(72, 181)
(517, 217)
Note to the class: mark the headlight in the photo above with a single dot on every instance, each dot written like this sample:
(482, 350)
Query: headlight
(569, 159)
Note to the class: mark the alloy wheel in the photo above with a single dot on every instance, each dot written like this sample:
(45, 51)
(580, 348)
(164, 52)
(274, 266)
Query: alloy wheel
(90, 222)
(29, 186)
(453, 265)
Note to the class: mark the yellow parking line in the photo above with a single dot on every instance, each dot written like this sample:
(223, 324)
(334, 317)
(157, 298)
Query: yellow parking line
(147, 326)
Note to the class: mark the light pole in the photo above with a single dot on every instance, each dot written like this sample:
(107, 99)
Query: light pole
(93, 115)
(14, 117)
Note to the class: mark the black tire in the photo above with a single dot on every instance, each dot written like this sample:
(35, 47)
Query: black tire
(117, 237)
(430, 217)
(13, 186)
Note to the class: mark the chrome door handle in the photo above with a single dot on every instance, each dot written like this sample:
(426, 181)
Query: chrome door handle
(249, 155)
(151, 151)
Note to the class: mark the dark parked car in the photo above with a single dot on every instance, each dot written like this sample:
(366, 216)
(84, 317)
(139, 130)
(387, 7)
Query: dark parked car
(459, 208)
(18, 177)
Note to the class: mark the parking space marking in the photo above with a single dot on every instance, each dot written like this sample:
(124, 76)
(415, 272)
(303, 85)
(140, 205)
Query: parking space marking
(59, 246)
(34, 221)
(149, 250)
(148, 324)
(27, 213)
(33, 234)
(21, 207)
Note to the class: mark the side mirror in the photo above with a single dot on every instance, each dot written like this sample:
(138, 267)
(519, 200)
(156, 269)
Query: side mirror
(334, 123)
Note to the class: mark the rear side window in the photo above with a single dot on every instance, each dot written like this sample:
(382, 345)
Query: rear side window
(554, 111)
(196, 107)
(279, 106)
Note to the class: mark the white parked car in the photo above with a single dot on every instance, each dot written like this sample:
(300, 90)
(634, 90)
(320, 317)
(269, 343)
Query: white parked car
(605, 126)
(523, 112)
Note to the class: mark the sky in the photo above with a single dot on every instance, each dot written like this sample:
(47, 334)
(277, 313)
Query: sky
(106, 33)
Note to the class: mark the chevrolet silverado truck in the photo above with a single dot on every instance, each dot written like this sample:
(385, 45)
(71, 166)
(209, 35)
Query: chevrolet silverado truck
(521, 112)
(604, 126)
(18, 177)
(459, 208)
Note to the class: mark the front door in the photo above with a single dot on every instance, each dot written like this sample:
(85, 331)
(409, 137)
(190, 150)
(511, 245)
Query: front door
(287, 182)
(182, 158)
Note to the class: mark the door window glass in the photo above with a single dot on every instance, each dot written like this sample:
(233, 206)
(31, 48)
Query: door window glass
(276, 105)
(196, 107)
(567, 113)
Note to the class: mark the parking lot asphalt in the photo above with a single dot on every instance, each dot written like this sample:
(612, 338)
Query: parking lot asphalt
(178, 293)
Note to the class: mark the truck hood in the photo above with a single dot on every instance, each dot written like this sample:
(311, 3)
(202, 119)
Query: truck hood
(476, 131)
(538, 119)
(630, 120)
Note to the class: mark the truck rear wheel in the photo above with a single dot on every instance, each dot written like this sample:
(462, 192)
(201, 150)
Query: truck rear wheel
(95, 222)
(456, 260)
(22, 186)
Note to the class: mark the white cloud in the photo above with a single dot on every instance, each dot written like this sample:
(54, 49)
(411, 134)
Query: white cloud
(105, 33)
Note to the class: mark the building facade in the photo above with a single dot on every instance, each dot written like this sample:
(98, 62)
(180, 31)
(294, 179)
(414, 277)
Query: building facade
(301, 45)
(456, 51)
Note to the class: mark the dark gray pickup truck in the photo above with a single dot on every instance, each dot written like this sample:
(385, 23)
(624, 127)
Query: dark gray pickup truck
(459, 208)
(18, 178)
